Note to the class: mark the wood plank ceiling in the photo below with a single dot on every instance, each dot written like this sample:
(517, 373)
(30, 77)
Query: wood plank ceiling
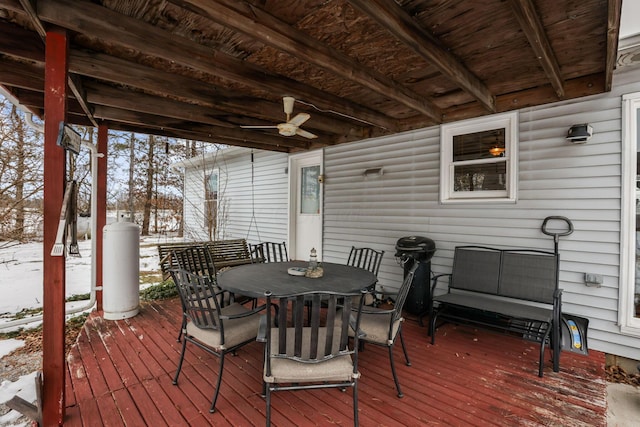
(199, 69)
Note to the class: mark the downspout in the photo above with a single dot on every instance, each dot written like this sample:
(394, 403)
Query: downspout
(94, 215)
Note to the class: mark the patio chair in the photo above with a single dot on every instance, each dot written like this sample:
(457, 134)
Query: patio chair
(369, 259)
(196, 260)
(366, 258)
(269, 252)
(383, 326)
(217, 330)
(299, 357)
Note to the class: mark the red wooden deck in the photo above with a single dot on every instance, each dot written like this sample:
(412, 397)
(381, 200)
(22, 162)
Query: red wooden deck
(120, 374)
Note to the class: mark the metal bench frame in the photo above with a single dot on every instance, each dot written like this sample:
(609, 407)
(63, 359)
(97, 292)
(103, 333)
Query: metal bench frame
(510, 289)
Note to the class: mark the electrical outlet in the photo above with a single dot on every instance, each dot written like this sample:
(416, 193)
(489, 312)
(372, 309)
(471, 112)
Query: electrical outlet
(592, 279)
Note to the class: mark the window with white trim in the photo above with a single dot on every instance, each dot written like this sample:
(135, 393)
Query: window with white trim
(478, 159)
(629, 287)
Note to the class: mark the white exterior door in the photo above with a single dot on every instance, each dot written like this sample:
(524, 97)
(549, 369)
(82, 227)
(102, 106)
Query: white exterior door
(305, 207)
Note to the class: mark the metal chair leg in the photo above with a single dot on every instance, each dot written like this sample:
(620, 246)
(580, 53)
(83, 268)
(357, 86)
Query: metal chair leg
(218, 383)
(404, 349)
(268, 399)
(184, 347)
(393, 371)
(355, 404)
(182, 328)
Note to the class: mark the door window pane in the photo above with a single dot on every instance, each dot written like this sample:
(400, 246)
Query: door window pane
(310, 190)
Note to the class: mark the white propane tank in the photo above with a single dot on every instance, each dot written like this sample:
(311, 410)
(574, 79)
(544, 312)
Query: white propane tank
(121, 270)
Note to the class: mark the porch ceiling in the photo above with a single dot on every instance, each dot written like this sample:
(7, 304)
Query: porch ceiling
(200, 69)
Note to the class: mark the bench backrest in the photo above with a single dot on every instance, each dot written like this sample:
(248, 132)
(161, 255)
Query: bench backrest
(529, 275)
(228, 253)
(224, 253)
(167, 262)
(526, 274)
(476, 268)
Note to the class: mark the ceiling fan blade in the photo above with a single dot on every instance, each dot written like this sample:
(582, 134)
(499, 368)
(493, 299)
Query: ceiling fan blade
(258, 127)
(299, 119)
(305, 134)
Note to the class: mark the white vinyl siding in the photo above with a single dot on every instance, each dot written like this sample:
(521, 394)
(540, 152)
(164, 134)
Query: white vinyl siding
(266, 197)
(555, 177)
(255, 211)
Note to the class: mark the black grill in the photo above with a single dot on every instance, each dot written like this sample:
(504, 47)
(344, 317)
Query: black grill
(419, 249)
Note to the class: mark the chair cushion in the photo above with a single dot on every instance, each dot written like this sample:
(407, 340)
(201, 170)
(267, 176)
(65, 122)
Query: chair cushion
(236, 331)
(338, 368)
(376, 328)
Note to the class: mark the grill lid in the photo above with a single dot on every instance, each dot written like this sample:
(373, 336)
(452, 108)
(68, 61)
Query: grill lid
(415, 244)
(416, 247)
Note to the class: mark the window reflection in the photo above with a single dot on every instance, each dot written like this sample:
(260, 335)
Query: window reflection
(310, 190)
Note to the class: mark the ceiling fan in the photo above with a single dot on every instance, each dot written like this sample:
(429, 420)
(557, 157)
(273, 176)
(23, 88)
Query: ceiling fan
(292, 125)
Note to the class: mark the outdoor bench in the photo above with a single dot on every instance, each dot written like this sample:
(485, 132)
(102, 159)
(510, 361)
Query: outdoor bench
(515, 290)
(224, 253)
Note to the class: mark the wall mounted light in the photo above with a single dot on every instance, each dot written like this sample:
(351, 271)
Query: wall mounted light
(68, 138)
(579, 134)
(372, 172)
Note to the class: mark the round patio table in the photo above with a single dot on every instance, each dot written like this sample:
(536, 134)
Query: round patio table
(253, 280)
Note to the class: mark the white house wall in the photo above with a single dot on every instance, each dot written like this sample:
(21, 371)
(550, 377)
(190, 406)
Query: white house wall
(239, 198)
(258, 211)
(555, 177)
(194, 222)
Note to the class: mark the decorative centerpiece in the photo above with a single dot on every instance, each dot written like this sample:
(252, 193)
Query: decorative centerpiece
(314, 271)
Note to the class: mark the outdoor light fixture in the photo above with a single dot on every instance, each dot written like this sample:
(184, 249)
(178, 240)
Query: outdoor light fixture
(579, 134)
(371, 172)
(69, 139)
(496, 151)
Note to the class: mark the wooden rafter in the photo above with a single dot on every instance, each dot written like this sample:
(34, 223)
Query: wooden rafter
(163, 122)
(525, 13)
(613, 29)
(392, 17)
(74, 84)
(255, 22)
(104, 24)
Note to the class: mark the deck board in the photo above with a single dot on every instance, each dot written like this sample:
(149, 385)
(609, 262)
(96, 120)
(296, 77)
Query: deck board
(120, 372)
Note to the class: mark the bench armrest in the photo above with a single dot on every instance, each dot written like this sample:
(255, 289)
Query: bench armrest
(434, 280)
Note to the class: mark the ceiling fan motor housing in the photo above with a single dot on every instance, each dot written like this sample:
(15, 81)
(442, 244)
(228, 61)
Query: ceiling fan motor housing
(287, 129)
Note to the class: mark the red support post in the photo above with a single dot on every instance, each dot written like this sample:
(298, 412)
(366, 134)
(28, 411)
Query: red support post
(53, 331)
(101, 200)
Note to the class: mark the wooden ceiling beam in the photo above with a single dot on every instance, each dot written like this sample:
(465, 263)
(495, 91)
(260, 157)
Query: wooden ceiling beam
(268, 29)
(182, 134)
(102, 23)
(614, 9)
(389, 15)
(160, 122)
(122, 72)
(220, 101)
(74, 84)
(527, 16)
(102, 94)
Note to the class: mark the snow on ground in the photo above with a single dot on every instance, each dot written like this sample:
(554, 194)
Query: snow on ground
(24, 388)
(21, 278)
(21, 284)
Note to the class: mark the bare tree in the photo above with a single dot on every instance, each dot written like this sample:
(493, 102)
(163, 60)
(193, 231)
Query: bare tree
(20, 176)
(148, 194)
